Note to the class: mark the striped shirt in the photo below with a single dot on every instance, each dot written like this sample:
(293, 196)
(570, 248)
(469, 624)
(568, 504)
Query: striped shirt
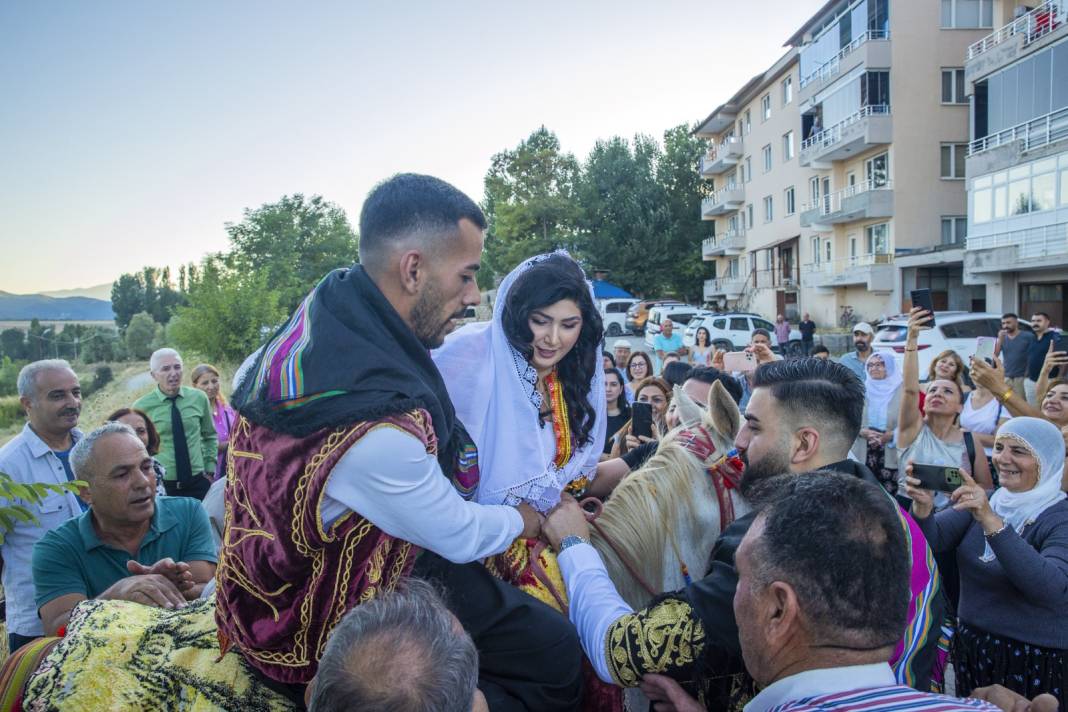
(896, 697)
(857, 688)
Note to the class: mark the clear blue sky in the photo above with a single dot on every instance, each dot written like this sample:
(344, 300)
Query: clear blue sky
(131, 131)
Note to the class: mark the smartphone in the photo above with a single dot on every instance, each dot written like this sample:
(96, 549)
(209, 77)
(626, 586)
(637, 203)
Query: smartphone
(984, 348)
(937, 477)
(922, 298)
(641, 419)
(743, 361)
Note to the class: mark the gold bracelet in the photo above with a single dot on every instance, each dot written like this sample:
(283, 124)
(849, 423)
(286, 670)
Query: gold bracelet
(1005, 396)
(914, 348)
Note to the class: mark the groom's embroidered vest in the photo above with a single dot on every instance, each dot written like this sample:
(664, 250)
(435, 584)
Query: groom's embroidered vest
(283, 580)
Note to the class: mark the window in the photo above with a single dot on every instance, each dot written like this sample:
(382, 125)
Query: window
(878, 238)
(749, 216)
(971, 329)
(954, 229)
(953, 155)
(877, 170)
(816, 250)
(789, 201)
(763, 324)
(748, 122)
(765, 107)
(719, 324)
(958, 14)
(828, 245)
(769, 261)
(953, 87)
(748, 165)
(739, 323)
(787, 90)
(768, 209)
(814, 190)
(787, 146)
(767, 158)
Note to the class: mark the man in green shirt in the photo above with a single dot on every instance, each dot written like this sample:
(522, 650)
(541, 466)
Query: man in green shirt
(130, 545)
(182, 415)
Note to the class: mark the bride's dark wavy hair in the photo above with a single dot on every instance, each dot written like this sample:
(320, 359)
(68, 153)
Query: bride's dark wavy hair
(545, 283)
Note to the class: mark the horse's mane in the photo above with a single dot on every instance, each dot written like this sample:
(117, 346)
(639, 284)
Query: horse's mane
(654, 497)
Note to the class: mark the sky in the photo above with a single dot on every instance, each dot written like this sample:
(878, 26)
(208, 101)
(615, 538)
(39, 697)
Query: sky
(131, 132)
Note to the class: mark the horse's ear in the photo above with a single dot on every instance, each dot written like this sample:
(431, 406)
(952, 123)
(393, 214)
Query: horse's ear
(688, 409)
(726, 418)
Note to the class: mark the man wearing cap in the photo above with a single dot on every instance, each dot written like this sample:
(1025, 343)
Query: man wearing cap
(621, 349)
(855, 360)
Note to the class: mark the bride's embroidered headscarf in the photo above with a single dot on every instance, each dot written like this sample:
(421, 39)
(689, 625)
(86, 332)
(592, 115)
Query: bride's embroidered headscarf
(494, 390)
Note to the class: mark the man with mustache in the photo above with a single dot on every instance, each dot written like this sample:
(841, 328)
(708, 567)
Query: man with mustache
(130, 545)
(182, 415)
(52, 398)
(856, 360)
(803, 415)
(349, 469)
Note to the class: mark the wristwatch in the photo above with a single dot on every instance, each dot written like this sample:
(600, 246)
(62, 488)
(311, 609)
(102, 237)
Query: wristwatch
(569, 541)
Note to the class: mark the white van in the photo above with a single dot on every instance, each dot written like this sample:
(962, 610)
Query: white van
(614, 315)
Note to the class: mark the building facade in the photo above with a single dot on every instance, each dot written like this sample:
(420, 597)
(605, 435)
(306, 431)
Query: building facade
(1017, 160)
(877, 172)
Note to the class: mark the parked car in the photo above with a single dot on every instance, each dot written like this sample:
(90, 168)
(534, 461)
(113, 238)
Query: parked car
(955, 330)
(614, 315)
(731, 331)
(638, 313)
(679, 314)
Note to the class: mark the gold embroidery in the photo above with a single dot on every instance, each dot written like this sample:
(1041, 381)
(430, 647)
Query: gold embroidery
(663, 637)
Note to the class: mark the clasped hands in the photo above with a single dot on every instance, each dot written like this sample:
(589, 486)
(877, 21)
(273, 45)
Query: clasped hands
(564, 520)
(165, 584)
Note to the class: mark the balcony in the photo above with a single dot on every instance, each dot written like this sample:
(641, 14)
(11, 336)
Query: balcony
(723, 201)
(1004, 46)
(867, 199)
(722, 157)
(729, 243)
(1032, 134)
(871, 49)
(1018, 251)
(730, 287)
(875, 272)
(869, 127)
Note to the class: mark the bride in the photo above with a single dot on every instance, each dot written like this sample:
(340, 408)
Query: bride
(529, 387)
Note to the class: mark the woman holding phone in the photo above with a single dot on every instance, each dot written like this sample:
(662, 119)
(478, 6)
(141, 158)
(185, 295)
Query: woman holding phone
(654, 394)
(1012, 552)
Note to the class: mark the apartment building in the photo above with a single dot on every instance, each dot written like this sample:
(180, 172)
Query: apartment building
(880, 138)
(1017, 160)
(754, 227)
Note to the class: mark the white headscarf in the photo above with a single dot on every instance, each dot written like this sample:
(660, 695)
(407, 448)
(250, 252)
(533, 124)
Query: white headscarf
(880, 392)
(1046, 444)
(494, 390)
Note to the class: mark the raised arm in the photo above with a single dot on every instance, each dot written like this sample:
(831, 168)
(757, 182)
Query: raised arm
(992, 378)
(1054, 359)
(909, 420)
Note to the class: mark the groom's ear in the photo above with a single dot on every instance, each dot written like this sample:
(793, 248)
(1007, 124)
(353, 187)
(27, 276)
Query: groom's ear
(412, 271)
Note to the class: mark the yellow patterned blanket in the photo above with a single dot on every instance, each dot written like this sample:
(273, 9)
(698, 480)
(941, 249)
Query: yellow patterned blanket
(531, 567)
(125, 656)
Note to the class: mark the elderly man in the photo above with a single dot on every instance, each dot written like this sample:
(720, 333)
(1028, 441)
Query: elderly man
(857, 359)
(358, 472)
(819, 637)
(668, 341)
(52, 398)
(621, 350)
(403, 652)
(182, 415)
(130, 544)
(804, 415)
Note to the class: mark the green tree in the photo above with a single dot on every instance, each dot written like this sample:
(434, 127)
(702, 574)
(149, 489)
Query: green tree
(127, 298)
(9, 374)
(38, 345)
(140, 335)
(100, 345)
(530, 202)
(677, 174)
(229, 314)
(13, 343)
(292, 243)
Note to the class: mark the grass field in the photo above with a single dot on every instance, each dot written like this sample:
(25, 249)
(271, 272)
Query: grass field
(24, 325)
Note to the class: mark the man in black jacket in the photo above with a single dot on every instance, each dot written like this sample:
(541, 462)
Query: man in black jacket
(803, 415)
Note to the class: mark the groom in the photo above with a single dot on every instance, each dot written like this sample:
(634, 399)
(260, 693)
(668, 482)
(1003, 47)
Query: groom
(347, 466)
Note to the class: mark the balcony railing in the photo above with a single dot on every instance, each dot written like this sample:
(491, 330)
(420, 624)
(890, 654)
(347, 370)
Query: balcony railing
(832, 202)
(845, 264)
(725, 200)
(1036, 24)
(830, 67)
(832, 135)
(731, 284)
(1038, 132)
(722, 156)
(1032, 244)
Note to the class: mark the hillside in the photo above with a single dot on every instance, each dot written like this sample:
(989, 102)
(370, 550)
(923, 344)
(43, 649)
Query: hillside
(99, 291)
(23, 307)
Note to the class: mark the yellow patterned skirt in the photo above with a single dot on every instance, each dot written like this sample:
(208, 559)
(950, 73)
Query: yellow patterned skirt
(124, 656)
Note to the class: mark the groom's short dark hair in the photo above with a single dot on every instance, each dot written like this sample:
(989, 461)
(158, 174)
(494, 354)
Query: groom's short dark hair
(411, 208)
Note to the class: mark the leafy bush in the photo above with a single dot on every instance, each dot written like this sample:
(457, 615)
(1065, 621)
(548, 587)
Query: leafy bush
(102, 377)
(13, 492)
(11, 412)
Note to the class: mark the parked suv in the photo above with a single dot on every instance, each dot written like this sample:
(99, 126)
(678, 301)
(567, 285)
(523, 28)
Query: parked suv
(639, 312)
(614, 315)
(732, 331)
(680, 314)
(955, 330)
